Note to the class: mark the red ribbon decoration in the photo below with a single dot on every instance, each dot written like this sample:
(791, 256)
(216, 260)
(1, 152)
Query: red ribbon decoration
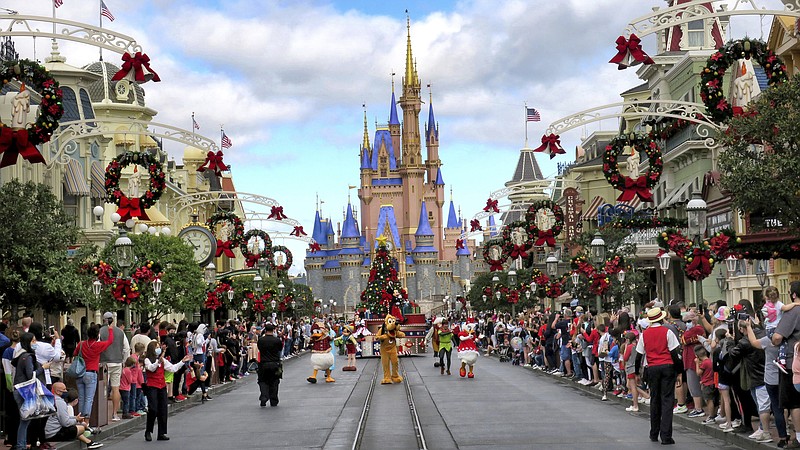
(474, 225)
(700, 267)
(552, 143)
(495, 265)
(491, 205)
(627, 49)
(124, 291)
(298, 231)
(130, 208)
(459, 244)
(277, 213)
(224, 247)
(545, 237)
(720, 245)
(214, 162)
(15, 142)
(637, 187)
(135, 62)
(314, 247)
(252, 260)
(519, 251)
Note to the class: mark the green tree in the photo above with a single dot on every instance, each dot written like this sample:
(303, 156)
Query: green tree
(183, 288)
(761, 157)
(35, 270)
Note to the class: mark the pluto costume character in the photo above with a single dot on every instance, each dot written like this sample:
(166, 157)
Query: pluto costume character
(321, 356)
(467, 351)
(388, 335)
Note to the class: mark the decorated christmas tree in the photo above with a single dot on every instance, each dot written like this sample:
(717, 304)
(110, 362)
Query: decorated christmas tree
(383, 293)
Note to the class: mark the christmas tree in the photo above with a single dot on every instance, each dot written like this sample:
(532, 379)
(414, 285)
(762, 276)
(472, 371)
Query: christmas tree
(384, 292)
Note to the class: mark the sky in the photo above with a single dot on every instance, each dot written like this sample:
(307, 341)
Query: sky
(288, 79)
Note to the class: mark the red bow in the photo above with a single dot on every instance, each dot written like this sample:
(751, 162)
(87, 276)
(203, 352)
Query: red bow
(459, 244)
(552, 143)
(636, 187)
(298, 231)
(513, 297)
(224, 247)
(545, 237)
(519, 251)
(627, 49)
(720, 244)
(214, 162)
(124, 291)
(135, 62)
(252, 260)
(314, 247)
(474, 225)
(700, 267)
(491, 205)
(277, 213)
(130, 208)
(15, 142)
(495, 265)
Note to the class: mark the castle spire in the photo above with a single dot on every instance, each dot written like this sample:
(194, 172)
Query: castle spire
(411, 70)
(365, 142)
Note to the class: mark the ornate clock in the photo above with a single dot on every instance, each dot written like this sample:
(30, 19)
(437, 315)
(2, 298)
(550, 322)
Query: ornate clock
(201, 241)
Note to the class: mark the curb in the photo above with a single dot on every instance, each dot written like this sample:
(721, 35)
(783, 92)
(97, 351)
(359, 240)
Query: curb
(138, 423)
(735, 438)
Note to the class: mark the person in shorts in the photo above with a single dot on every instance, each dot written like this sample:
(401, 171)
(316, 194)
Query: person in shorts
(789, 330)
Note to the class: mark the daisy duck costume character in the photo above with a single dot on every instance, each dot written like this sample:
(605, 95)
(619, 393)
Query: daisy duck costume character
(467, 350)
(321, 356)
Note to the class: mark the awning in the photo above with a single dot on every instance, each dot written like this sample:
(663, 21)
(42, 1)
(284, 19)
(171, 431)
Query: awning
(98, 180)
(591, 210)
(157, 218)
(147, 142)
(679, 195)
(74, 180)
(632, 203)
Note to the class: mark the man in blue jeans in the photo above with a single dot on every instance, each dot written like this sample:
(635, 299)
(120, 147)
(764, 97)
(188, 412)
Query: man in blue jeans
(563, 325)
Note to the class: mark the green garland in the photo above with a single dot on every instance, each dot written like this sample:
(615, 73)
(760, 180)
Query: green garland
(711, 77)
(643, 223)
(50, 108)
(233, 219)
(285, 266)
(144, 159)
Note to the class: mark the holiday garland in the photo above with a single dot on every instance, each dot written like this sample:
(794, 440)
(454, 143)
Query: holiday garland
(236, 236)
(640, 186)
(512, 249)
(126, 289)
(251, 259)
(599, 280)
(711, 77)
(23, 142)
(494, 264)
(698, 258)
(218, 296)
(134, 207)
(642, 223)
(543, 237)
(286, 265)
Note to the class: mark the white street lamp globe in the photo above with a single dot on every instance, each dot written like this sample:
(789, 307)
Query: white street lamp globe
(115, 217)
(230, 294)
(696, 211)
(165, 231)
(142, 227)
(130, 223)
(621, 276)
(730, 263)
(598, 246)
(98, 211)
(152, 230)
(663, 262)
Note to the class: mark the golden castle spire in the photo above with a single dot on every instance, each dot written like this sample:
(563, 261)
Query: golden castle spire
(411, 70)
(365, 142)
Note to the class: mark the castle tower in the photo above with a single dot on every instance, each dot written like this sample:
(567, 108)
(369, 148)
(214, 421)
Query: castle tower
(452, 232)
(425, 256)
(350, 259)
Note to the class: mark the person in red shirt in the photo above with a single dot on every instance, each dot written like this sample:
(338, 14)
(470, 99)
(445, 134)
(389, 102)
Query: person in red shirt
(691, 337)
(703, 367)
(90, 350)
(592, 338)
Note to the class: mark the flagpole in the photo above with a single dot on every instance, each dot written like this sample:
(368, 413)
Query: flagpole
(193, 130)
(100, 12)
(526, 124)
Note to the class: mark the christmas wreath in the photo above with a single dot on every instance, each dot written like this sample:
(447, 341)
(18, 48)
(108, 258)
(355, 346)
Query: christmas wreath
(711, 77)
(494, 264)
(134, 207)
(23, 142)
(640, 186)
(236, 236)
(286, 265)
(512, 249)
(252, 258)
(543, 237)
(698, 259)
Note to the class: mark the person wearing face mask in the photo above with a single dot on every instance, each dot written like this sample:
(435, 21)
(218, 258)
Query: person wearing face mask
(270, 368)
(65, 426)
(156, 365)
(90, 350)
(26, 369)
(691, 337)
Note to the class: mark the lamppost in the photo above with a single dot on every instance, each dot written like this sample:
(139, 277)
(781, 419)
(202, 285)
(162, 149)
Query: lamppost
(332, 305)
(621, 279)
(696, 211)
(598, 246)
(230, 297)
(512, 284)
(210, 273)
(125, 259)
(281, 291)
(96, 287)
(762, 272)
(663, 264)
(722, 282)
(551, 267)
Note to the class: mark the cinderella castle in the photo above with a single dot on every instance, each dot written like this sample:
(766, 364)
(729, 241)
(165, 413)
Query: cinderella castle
(402, 197)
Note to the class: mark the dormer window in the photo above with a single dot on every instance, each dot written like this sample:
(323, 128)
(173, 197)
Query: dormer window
(696, 34)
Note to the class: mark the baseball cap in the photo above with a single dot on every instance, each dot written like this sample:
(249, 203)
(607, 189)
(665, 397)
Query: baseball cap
(108, 315)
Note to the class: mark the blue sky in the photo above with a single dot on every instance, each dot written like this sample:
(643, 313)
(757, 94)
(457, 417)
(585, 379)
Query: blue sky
(288, 80)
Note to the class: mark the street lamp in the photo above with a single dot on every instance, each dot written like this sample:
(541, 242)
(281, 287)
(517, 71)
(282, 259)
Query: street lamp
(598, 246)
(512, 283)
(230, 295)
(262, 265)
(157, 283)
(551, 263)
(96, 286)
(575, 278)
(696, 211)
(722, 283)
(258, 283)
(495, 280)
(210, 273)
(663, 262)
(730, 263)
(281, 289)
(621, 276)
(123, 251)
(762, 270)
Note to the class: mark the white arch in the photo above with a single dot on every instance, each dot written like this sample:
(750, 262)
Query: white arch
(24, 25)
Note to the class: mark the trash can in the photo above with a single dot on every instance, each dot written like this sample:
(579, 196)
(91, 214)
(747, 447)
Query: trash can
(99, 417)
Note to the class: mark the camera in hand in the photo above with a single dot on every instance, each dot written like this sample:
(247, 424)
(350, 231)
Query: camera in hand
(743, 316)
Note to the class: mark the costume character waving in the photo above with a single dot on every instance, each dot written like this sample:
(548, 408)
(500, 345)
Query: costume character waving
(321, 356)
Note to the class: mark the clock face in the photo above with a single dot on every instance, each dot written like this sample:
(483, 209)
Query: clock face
(201, 243)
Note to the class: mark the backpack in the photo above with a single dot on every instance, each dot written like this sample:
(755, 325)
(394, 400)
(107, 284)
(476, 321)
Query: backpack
(602, 352)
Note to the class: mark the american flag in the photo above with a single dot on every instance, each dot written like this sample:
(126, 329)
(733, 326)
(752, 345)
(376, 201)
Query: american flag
(194, 123)
(226, 141)
(104, 11)
(533, 115)
(58, 3)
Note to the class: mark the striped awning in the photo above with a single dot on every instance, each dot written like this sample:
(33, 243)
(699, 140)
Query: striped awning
(591, 211)
(98, 180)
(632, 203)
(679, 195)
(74, 180)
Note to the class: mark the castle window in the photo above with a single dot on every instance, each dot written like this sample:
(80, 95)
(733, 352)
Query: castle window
(430, 216)
(696, 36)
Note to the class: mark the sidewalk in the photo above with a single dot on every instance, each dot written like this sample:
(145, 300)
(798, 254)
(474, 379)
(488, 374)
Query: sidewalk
(738, 439)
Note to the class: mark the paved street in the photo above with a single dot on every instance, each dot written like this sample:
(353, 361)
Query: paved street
(504, 407)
